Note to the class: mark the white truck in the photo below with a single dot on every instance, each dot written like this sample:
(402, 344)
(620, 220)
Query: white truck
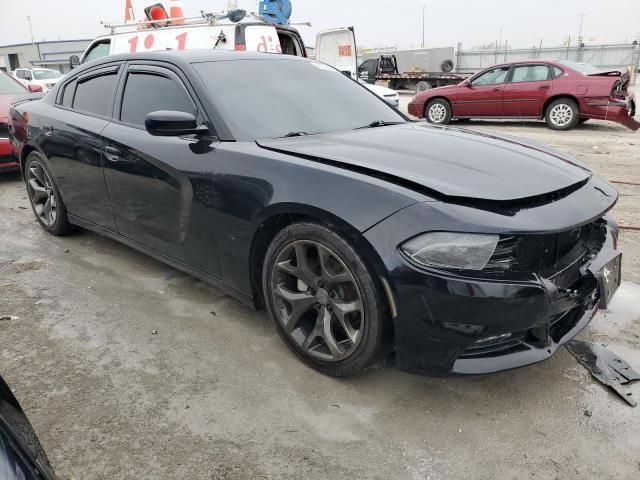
(335, 47)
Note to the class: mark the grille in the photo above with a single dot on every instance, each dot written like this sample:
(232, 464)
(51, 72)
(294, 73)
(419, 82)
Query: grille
(4, 130)
(546, 254)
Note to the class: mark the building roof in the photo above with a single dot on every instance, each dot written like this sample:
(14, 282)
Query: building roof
(46, 42)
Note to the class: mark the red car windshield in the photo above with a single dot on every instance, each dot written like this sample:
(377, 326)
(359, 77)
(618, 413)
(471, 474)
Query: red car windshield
(9, 85)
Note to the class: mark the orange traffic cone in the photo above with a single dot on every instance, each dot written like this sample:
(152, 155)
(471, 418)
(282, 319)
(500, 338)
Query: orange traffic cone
(175, 11)
(128, 12)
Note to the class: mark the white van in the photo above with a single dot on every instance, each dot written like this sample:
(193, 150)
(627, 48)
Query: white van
(205, 33)
(336, 47)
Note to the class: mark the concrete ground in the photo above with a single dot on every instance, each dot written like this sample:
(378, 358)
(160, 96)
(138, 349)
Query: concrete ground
(215, 394)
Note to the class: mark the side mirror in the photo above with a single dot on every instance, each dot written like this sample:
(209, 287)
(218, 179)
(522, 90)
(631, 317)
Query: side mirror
(74, 61)
(33, 88)
(167, 123)
(468, 85)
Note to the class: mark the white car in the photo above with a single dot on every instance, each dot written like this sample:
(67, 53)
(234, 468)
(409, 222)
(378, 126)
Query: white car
(44, 77)
(390, 96)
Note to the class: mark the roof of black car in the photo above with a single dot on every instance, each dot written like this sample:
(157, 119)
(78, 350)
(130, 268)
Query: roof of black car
(194, 56)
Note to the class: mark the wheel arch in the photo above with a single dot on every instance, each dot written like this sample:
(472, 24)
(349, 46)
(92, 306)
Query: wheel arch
(557, 97)
(26, 150)
(428, 101)
(280, 216)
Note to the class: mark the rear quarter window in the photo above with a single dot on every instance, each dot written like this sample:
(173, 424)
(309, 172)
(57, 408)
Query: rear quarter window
(95, 95)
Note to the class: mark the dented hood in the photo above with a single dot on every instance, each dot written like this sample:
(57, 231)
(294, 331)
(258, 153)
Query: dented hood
(450, 161)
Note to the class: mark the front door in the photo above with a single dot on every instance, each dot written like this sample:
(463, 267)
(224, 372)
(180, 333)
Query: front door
(160, 187)
(527, 89)
(483, 95)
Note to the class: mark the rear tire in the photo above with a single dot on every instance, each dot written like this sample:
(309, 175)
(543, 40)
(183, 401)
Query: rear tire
(325, 304)
(562, 114)
(438, 112)
(44, 196)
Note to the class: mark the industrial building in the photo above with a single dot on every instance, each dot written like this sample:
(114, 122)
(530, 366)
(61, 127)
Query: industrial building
(53, 54)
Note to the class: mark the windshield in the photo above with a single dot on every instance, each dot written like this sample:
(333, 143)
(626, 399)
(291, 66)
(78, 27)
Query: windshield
(9, 85)
(584, 68)
(46, 74)
(275, 98)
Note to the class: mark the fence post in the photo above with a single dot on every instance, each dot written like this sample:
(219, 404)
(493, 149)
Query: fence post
(458, 57)
(635, 62)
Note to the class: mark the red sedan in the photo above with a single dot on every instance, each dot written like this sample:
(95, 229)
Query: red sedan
(9, 90)
(562, 93)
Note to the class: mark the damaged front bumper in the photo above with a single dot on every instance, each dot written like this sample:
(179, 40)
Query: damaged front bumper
(450, 322)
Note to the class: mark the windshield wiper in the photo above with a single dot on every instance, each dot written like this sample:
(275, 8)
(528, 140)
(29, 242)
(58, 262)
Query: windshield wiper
(295, 134)
(379, 123)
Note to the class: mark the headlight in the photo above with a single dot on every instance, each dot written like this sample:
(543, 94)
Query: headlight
(463, 251)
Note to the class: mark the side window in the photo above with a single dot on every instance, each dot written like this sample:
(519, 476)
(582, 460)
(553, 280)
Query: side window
(98, 50)
(95, 95)
(494, 76)
(27, 75)
(67, 95)
(557, 72)
(20, 74)
(530, 73)
(148, 92)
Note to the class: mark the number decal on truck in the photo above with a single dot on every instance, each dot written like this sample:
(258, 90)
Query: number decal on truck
(149, 40)
(268, 45)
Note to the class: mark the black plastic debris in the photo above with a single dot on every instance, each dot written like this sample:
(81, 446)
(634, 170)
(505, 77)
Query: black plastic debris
(607, 368)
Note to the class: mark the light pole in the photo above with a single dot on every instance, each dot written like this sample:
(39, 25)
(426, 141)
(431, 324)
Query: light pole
(582, 15)
(33, 42)
(423, 24)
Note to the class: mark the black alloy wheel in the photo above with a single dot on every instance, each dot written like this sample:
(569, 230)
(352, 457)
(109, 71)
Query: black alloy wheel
(323, 300)
(44, 196)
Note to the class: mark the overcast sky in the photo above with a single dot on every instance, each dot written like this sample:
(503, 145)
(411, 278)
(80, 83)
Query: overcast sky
(378, 22)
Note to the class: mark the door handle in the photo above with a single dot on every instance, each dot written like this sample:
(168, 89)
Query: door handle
(112, 153)
(544, 87)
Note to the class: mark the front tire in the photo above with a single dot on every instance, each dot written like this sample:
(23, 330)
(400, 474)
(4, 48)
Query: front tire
(438, 112)
(44, 196)
(562, 114)
(324, 302)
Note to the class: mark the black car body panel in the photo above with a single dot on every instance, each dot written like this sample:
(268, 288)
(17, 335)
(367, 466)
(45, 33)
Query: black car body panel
(209, 205)
(420, 154)
(21, 455)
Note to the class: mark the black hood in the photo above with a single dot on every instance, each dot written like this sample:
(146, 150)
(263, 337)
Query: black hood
(450, 161)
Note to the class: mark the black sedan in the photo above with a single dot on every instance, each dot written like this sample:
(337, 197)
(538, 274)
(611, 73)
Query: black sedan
(292, 187)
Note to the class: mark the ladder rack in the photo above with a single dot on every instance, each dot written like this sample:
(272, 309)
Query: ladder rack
(205, 18)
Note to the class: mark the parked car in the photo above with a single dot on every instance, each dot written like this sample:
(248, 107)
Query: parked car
(10, 89)
(360, 232)
(21, 454)
(43, 77)
(562, 93)
(390, 96)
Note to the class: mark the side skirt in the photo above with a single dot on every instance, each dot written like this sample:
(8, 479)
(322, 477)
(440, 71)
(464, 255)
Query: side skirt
(245, 298)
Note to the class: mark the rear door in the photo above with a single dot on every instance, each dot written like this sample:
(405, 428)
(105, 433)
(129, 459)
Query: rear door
(526, 91)
(73, 143)
(337, 48)
(160, 187)
(482, 96)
